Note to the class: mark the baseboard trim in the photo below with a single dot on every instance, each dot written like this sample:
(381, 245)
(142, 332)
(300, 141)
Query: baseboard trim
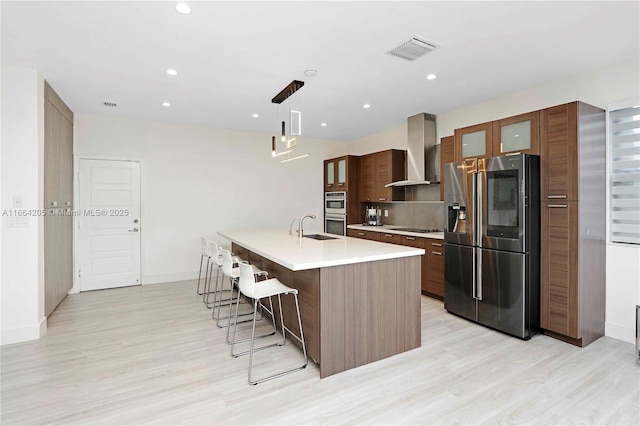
(168, 278)
(620, 332)
(23, 334)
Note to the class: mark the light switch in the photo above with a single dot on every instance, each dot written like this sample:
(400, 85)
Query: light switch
(18, 201)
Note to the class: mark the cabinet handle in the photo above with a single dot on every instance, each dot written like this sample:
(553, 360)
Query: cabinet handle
(361, 234)
(561, 197)
(388, 236)
(436, 244)
(410, 238)
(341, 184)
(557, 206)
(437, 253)
(382, 199)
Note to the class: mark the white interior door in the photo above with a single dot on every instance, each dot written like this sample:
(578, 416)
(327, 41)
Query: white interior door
(109, 225)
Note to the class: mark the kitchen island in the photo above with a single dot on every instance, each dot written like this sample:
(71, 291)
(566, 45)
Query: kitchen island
(359, 300)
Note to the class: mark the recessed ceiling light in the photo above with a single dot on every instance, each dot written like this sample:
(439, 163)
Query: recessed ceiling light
(183, 8)
(171, 71)
(166, 104)
(255, 115)
(431, 77)
(365, 106)
(323, 124)
(310, 73)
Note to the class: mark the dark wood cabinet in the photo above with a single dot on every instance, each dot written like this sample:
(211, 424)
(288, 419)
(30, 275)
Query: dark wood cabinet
(519, 133)
(474, 141)
(367, 235)
(432, 262)
(379, 169)
(573, 217)
(559, 153)
(447, 155)
(434, 257)
(340, 172)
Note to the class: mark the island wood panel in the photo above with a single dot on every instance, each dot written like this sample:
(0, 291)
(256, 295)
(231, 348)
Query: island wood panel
(382, 313)
(352, 314)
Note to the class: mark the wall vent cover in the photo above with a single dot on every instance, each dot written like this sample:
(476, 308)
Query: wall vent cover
(413, 49)
(110, 104)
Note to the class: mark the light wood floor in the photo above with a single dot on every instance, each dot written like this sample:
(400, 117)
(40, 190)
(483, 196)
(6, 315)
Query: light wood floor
(151, 355)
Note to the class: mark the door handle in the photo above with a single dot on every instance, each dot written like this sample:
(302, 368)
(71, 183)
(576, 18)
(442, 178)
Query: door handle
(134, 230)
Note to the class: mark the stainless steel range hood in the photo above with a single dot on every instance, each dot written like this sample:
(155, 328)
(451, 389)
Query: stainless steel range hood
(423, 154)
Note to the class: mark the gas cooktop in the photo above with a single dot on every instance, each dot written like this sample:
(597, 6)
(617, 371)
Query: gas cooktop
(420, 230)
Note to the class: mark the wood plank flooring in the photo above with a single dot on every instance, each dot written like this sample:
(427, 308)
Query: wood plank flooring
(152, 355)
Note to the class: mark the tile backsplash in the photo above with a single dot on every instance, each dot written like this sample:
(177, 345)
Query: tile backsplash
(414, 214)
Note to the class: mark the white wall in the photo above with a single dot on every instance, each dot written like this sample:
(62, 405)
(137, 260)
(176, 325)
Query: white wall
(598, 87)
(22, 287)
(199, 180)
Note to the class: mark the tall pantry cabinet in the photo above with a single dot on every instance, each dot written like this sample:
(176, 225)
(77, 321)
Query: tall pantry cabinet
(573, 197)
(58, 197)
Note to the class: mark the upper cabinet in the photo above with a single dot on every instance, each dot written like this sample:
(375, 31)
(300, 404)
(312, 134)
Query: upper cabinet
(517, 134)
(447, 155)
(338, 172)
(520, 133)
(379, 169)
(474, 141)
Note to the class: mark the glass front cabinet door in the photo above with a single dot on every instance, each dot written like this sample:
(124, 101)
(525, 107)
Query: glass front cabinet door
(342, 172)
(517, 134)
(473, 141)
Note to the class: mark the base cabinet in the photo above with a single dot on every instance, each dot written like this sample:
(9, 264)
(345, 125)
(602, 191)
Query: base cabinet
(432, 262)
(435, 271)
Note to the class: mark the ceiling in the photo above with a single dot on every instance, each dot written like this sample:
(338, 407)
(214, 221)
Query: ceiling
(233, 57)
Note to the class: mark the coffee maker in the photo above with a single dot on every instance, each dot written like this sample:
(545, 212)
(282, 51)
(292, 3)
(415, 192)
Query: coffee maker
(373, 216)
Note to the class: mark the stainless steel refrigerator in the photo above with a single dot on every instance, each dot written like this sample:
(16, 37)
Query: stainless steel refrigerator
(492, 242)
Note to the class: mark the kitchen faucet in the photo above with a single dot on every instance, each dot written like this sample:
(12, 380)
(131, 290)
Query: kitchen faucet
(300, 231)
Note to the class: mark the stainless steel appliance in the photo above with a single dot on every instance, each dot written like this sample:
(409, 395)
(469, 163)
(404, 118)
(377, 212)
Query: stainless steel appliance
(335, 224)
(335, 212)
(492, 242)
(335, 202)
(373, 216)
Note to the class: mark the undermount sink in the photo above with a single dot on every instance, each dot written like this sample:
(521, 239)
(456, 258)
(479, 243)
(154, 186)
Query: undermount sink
(319, 237)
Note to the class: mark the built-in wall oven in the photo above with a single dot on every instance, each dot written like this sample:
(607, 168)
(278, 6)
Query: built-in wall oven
(335, 224)
(335, 212)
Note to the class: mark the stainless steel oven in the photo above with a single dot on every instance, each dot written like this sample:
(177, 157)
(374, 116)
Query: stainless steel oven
(335, 202)
(335, 224)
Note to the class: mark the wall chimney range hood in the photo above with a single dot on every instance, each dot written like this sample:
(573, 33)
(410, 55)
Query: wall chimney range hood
(423, 154)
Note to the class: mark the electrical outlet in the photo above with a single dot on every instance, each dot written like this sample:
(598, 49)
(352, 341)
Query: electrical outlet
(386, 213)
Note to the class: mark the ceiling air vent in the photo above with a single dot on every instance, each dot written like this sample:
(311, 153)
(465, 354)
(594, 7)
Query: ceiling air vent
(412, 49)
(110, 104)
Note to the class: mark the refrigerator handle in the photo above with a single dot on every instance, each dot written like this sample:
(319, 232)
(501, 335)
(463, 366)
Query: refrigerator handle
(478, 274)
(474, 281)
(479, 208)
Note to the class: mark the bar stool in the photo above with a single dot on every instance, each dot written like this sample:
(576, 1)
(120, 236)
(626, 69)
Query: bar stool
(233, 273)
(216, 260)
(260, 290)
(204, 252)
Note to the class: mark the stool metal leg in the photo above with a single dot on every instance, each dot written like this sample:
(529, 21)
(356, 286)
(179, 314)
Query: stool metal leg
(199, 274)
(284, 329)
(206, 274)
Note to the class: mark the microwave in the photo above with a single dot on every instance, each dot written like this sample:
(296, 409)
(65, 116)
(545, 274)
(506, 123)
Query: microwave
(335, 202)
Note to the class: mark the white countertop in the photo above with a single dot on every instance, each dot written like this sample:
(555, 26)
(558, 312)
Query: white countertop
(298, 254)
(389, 229)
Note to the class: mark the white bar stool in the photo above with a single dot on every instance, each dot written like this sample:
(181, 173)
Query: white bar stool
(233, 273)
(216, 260)
(260, 290)
(204, 252)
